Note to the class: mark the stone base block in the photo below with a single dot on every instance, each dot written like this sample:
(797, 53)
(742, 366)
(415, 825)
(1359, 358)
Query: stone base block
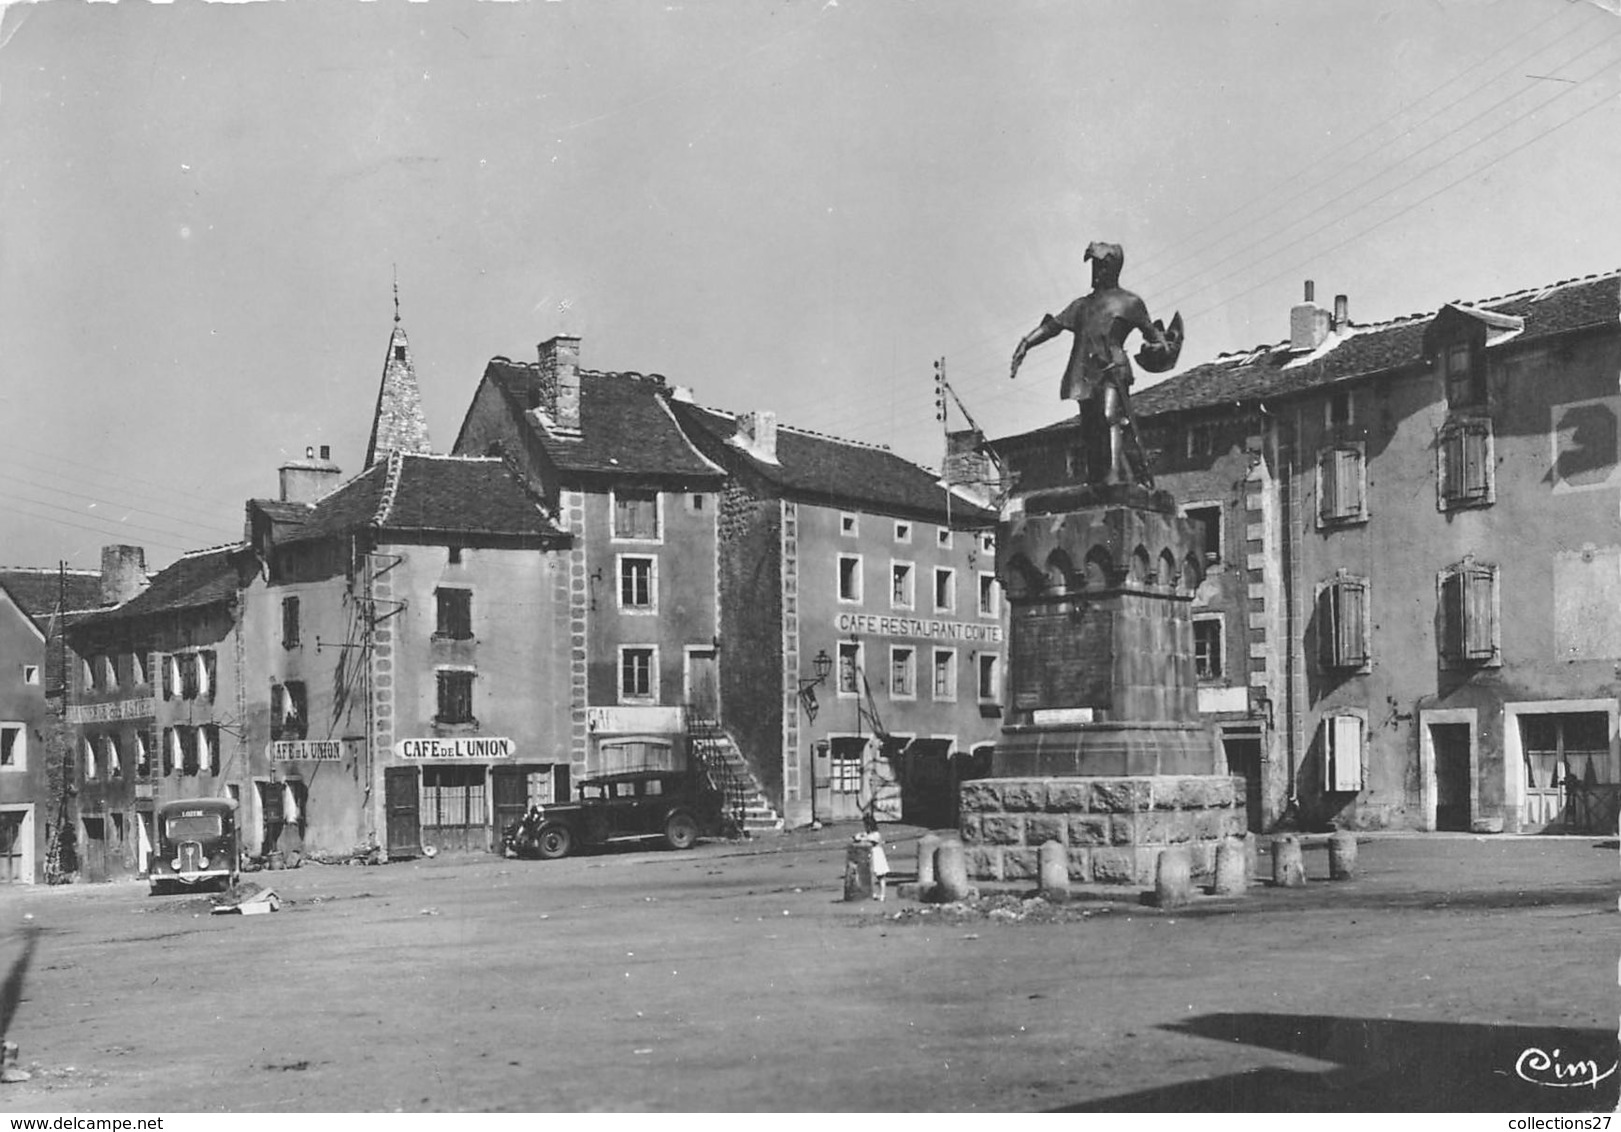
(1113, 828)
(1107, 749)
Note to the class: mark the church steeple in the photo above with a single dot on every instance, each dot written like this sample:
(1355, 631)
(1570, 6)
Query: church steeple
(398, 424)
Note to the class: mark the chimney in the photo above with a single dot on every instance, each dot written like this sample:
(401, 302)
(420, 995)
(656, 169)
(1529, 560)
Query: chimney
(1342, 313)
(1308, 324)
(757, 434)
(123, 573)
(560, 381)
(306, 480)
(968, 469)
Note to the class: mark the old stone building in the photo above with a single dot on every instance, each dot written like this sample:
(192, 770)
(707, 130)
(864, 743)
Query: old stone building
(35, 605)
(1412, 612)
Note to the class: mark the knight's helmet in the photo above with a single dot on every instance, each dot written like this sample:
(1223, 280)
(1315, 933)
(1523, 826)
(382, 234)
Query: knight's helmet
(1110, 259)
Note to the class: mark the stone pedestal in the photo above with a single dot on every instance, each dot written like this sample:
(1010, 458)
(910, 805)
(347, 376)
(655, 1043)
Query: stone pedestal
(1103, 747)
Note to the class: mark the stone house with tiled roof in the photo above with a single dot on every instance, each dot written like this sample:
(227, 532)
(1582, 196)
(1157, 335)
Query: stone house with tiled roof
(860, 618)
(35, 604)
(156, 689)
(408, 633)
(687, 602)
(1413, 612)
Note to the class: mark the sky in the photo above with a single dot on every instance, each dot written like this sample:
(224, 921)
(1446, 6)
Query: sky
(796, 206)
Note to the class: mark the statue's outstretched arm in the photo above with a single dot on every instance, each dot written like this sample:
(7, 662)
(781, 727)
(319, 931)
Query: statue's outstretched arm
(1048, 330)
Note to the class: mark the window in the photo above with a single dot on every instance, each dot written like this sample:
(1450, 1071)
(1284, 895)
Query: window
(849, 668)
(990, 683)
(849, 577)
(112, 755)
(989, 596)
(289, 622)
(1207, 518)
(452, 796)
(1468, 598)
(636, 673)
(288, 711)
(1204, 439)
(945, 589)
(945, 675)
(902, 672)
(1464, 464)
(190, 738)
(942, 538)
(844, 764)
(697, 502)
(171, 750)
(30, 674)
(455, 617)
(903, 532)
(206, 672)
(900, 589)
(190, 682)
(1207, 647)
(92, 764)
(1341, 497)
(1342, 753)
(455, 696)
(106, 674)
(137, 668)
(987, 544)
(1465, 374)
(636, 514)
(399, 353)
(1342, 624)
(453, 555)
(636, 583)
(1337, 410)
(849, 525)
(143, 754)
(171, 675)
(1562, 747)
(13, 746)
(87, 674)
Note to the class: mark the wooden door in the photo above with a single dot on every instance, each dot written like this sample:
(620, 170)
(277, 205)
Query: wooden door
(14, 855)
(1450, 742)
(509, 793)
(703, 684)
(846, 758)
(402, 804)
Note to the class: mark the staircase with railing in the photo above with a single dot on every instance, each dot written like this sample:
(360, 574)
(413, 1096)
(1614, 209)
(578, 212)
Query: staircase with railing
(745, 807)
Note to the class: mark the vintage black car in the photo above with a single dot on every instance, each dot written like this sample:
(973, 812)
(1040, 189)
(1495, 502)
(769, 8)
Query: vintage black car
(197, 845)
(677, 806)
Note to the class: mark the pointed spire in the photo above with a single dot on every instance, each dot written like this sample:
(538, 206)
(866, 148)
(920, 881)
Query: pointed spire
(398, 424)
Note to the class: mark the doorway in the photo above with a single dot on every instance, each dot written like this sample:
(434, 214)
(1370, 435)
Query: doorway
(402, 809)
(1243, 752)
(703, 684)
(1450, 742)
(17, 845)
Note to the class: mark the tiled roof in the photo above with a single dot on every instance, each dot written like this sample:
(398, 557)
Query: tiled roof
(457, 495)
(625, 425)
(1267, 372)
(200, 578)
(814, 467)
(37, 590)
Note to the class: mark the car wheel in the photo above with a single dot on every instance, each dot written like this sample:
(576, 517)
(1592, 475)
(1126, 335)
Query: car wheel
(553, 841)
(680, 830)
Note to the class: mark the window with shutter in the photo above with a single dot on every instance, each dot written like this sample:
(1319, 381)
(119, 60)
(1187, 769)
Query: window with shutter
(1342, 624)
(1342, 750)
(188, 749)
(1469, 614)
(636, 514)
(1340, 485)
(1465, 464)
(167, 664)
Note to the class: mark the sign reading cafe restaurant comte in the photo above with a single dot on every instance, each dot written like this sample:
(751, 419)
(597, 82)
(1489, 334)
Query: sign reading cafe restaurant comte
(429, 749)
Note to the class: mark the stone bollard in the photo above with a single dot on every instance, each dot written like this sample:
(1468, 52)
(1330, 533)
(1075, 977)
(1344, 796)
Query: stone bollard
(1173, 880)
(858, 871)
(1232, 868)
(10, 1072)
(1288, 869)
(1342, 856)
(1053, 872)
(926, 846)
(950, 872)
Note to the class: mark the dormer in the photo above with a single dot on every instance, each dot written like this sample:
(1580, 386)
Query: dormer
(1456, 341)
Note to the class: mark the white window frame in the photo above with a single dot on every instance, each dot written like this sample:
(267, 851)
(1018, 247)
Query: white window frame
(1221, 647)
(910, 600)
(838, 578)
(652, 694)
(911, 651)
(993, 609)
(987, 543)
(652, 606)
(942, 538)
(19, 746)
(859, 648)
(903, 530)
(658, 519)
(849, 524)
(995, 660)
(950, 574)
(1221, 526)
(1328, 410)
(950, 695)
(31, 674)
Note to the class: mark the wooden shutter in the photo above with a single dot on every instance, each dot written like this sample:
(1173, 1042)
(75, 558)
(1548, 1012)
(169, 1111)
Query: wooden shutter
(1351, 624)
(1479, 612)
(1342, 746)
(1328, 493)
(171, 749)
(1348, 482)
(168, 674)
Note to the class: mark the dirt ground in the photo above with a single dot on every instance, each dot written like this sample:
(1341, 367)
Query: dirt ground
(734, 978)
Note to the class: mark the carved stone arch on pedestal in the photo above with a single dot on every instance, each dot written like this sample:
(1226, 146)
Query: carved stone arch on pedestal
(1100, 568)
(1166, 572)
(1140, 565)
(1060, 572)
(1021, 578)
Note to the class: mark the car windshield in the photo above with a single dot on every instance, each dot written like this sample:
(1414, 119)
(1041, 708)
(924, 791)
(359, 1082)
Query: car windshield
(192, 825)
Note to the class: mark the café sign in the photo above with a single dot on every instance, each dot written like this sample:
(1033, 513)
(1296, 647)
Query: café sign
(453, 749)
(306, 750)
(884, 625)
